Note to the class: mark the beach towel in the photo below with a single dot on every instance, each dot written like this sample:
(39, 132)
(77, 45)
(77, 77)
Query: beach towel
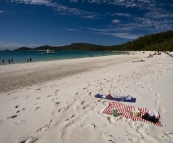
(127, 110)
(127, 98)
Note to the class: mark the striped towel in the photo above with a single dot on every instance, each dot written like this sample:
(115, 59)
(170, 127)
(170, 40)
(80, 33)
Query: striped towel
(126, 110)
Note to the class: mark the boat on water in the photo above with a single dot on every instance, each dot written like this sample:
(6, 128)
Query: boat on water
(48, 51)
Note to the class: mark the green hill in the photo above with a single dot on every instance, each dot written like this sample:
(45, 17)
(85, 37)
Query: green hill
(81, 46)
(153, 42)
(23, 49)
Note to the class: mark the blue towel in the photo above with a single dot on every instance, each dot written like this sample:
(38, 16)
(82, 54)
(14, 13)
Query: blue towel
(127, 98)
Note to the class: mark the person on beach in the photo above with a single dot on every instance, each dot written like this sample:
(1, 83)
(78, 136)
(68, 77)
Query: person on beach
(30, 60)
(12, 62)
(3, 63)
(27, 60)
(8, 61)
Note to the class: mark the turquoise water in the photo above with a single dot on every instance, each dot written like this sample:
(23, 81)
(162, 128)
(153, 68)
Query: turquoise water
(21, 56)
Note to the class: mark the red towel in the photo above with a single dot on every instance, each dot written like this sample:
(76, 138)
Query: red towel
(124, 110)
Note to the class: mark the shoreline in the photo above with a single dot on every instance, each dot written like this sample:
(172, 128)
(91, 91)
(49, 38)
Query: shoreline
(38, 56)
(27, 74)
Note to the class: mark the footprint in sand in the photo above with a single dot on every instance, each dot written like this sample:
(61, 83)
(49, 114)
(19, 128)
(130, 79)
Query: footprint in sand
(17, 106)
(148, 84)
(69, 118)
(56, 103)
(32, 110)
(86, 106)
(148, 138)
(38, 89)
(157, 101)
(14, 116)
(1, 122)
(132, 124)
(90, 93)
(28, 139)
(27, 97)
(111, 119)
(89, 84)
(15, 98)
(82, 102)
(110, 138)
(95, 103)
(18, 111)
(162, 109)
(121, 90)
(121, 118)
(150, 89)
(111, 141)
(20, 122)
(61, 109)
(45, 127)
(104, 102)
(93, 125)
(157, 95)
(168, 135)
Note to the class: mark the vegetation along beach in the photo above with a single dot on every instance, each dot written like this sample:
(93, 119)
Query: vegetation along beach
(86, 71)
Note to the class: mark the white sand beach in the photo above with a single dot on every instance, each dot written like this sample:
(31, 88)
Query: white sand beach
(54, 101)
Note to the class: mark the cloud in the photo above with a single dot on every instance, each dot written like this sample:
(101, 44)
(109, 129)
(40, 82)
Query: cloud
(153, 7)
(70, 29)
(36, 2)
(152, 24)
(121, 14)
(115, 21)
(74, 1)
(142, 4)
(157, 14)
(126, 35)
(61, 9)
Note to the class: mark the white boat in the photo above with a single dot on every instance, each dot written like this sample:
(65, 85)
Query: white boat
(48, 51)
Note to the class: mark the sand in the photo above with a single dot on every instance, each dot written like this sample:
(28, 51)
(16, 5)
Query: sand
(53, 102)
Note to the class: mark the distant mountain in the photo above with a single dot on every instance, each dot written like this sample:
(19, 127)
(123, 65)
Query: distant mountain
(152, 42)
(81, 46)
(74, 46)
(6, 50)
(46, 47)
(23, 49)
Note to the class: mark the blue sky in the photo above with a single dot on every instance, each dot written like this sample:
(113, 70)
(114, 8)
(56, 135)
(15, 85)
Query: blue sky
(62, 22)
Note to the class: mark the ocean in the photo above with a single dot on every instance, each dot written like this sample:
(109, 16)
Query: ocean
(36, 56)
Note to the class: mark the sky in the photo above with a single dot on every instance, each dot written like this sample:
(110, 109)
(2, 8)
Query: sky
(35, 23)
